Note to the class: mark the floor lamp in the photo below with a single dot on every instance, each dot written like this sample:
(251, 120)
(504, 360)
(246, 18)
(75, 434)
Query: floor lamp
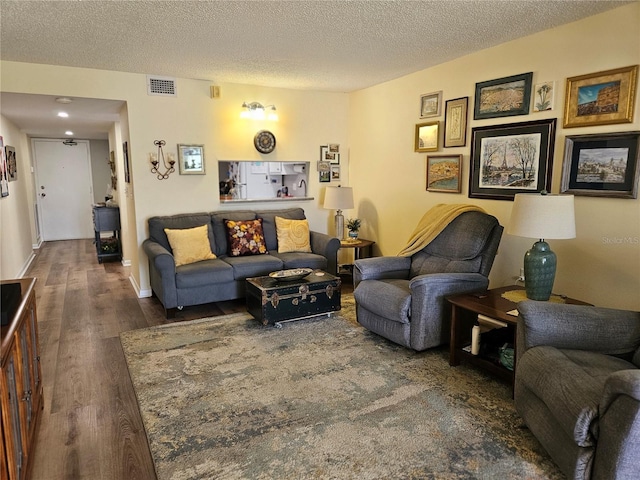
(338, 198)
(539, 215)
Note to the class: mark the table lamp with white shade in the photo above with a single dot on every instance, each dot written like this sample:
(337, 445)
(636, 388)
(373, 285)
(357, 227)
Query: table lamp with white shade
(542, 216)
(338, 198)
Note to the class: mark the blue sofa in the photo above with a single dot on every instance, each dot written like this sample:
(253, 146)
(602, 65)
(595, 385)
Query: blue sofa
(224, 277)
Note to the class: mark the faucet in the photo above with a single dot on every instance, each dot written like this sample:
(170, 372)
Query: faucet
(305, 186)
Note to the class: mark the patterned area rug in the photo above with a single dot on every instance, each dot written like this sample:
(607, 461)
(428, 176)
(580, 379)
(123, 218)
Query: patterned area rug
(323, 398)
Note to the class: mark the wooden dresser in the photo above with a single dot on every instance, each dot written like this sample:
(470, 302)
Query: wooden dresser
(21, 382)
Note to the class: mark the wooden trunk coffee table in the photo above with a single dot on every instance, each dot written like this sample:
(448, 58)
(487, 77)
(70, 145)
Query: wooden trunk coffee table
(272, 301)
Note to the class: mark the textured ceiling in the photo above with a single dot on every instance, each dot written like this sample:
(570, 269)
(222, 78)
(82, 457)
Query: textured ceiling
(319, 45)
(314, 45)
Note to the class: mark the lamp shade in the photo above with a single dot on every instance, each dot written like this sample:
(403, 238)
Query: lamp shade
(338, 198)
(542, 216)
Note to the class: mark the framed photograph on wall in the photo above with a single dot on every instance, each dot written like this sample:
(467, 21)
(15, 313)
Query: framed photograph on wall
(12, 167)
(330, 153)
(426, 137)
(430, 104)
(601, 98)
(503, 97)
(335, 172)
(455, 122)
(444, 173)
(544, 96)
(125, 151)
(191, 159)
(601, 165)
(512, 158)
(4, 177)
(324, 172)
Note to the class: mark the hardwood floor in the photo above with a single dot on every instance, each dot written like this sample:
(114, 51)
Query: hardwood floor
(91, 427)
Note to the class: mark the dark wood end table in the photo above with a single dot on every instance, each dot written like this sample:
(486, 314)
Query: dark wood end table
(464, 314)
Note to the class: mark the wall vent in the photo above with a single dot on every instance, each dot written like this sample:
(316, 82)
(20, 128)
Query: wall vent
(165, 86)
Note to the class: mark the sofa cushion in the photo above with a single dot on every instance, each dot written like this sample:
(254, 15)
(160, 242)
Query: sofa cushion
(269, 223)
(302, 260)
(254, 265)
(570, 383)
(188, 220)
(208, 272)
(220, 229)
(293, 235)
(190, 245)
(390, 299)
(245, 237)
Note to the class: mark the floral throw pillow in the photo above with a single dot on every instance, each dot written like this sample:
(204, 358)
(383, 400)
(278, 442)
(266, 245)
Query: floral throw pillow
(245, 237)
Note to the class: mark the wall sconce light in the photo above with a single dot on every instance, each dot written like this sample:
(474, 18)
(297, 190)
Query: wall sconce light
(257, 111)
(155, 161)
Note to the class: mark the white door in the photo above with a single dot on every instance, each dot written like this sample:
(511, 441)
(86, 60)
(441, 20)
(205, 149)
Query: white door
(63, 189)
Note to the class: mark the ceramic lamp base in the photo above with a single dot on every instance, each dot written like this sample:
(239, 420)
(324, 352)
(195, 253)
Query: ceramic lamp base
(539, 271)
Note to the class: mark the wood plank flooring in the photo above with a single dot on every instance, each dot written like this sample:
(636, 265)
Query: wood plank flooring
(91, 427)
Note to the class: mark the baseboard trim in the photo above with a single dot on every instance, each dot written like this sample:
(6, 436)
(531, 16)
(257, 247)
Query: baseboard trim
(139, 292)
(27, 264)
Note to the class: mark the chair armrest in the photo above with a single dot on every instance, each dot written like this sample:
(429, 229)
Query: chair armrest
(430, 311)
(377, 268)
(623, 382)
(328, 247)
(578, 327)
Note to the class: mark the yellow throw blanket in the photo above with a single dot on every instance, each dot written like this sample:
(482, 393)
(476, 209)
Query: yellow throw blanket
(432, 223)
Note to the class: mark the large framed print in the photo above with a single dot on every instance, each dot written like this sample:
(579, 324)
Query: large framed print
(191, 159)
(503, 97)
(601, 98)
(512, 158)
(455, 122)
(602, 165)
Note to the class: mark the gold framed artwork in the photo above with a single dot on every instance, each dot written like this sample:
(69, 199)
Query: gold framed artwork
(191, 159)
(601, 98)
(444, 173)
(427, 135)
(455, 122)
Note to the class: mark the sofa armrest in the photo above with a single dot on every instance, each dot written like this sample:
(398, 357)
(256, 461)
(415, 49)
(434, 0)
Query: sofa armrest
(377, 268)
(623, 382)
(578, 327)
(328, 247)
(162, 273)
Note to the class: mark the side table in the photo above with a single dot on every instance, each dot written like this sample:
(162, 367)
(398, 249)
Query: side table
(359, 247)
(464, 315)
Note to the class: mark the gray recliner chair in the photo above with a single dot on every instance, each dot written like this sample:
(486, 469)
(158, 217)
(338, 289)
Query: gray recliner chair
(403, 298)
(578, 386)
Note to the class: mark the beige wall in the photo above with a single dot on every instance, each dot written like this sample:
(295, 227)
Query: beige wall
(307, 120)
(16, 236)
(602, 265)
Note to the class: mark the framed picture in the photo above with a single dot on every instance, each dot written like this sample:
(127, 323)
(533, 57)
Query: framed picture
(4, 177)
(191, 159)
(12, 167)
(127, 174)
(324, 172)
(455, 122)
(427, 137)
(335, 172)
(430, 104)
(601, 165)
(503, 97)
(330, 153)
(512, 158)
(601, 98)
(544, 96)
(444, 173)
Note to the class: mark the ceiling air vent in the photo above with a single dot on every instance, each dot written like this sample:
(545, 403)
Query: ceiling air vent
(165, 86)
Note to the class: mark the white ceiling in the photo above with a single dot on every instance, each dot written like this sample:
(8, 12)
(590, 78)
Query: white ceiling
(313, 45)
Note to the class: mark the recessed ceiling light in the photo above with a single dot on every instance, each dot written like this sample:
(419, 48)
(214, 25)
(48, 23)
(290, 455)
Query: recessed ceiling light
(64, 100)
(68, 132)
(63, 114)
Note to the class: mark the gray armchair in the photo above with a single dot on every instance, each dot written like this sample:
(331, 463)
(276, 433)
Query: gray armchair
(403, 298)
(578, 386)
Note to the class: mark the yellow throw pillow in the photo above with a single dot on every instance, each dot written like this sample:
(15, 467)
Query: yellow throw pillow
(190, 245)
(293, 235)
